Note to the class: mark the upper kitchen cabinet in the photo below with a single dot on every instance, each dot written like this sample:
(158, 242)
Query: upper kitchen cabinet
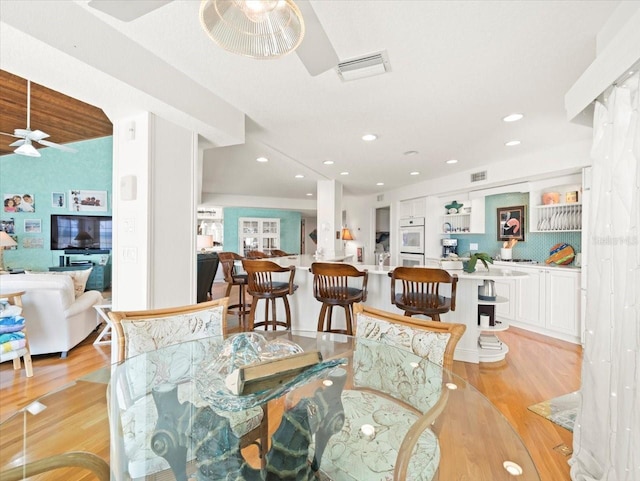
(468, 219)
(555, 205)
(413, 208)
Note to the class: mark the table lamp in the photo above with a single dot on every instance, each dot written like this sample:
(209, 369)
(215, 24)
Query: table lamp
(346, 235)
(5, 241)
(204, 242)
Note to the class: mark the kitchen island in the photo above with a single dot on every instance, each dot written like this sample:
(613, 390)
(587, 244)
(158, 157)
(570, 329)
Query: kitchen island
(305, 309)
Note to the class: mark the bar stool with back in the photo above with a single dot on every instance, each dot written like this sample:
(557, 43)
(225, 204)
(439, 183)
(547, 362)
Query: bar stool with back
(421, 291)
(261, 285)
(331, 287)
(233, 278)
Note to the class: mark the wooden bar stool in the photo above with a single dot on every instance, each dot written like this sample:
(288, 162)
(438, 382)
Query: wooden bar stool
(421, 291)
(256, 255)
(233, 278)
(262, 286)
(331, 287)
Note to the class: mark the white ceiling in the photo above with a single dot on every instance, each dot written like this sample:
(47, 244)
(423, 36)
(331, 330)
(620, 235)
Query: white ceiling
(457, 67)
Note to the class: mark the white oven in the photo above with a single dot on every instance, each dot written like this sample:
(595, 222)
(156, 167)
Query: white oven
(411, 260)
(412, 235)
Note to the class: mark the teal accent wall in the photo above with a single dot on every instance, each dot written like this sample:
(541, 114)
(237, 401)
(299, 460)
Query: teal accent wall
(55, 171)
(290, 223)
(536, 245)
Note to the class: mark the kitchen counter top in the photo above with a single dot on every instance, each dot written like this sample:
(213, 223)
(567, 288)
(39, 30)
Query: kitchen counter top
(539, 265)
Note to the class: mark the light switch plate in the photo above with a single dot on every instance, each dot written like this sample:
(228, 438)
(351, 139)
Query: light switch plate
(473, 246)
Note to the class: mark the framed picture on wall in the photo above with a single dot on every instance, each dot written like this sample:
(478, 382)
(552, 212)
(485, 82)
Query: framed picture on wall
(33, 226)
(88, 200)
(511, 223)
(58, 199)
(8, 226)
(33, 243)
(19, 203)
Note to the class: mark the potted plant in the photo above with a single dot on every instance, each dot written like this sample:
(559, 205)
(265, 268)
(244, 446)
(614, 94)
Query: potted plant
(473, 260)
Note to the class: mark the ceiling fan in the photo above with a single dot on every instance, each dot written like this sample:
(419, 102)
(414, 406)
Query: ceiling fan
(315, 52)
(28, 136)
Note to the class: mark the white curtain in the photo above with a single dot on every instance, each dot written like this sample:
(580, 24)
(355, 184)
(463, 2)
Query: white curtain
(607, 434)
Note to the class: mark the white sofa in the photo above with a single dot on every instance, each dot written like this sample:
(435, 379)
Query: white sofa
(55, 319)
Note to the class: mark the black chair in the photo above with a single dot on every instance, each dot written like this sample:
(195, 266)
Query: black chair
(207, 268)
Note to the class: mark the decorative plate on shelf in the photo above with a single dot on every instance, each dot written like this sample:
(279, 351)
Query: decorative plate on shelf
(561, 254)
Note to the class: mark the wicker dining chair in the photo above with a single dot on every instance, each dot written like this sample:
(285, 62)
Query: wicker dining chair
(136, 332)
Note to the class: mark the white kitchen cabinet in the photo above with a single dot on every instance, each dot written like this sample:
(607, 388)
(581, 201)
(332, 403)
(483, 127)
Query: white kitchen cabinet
(506, 289)
(562, 302)
(548, 302)
(413, 208)
(261, 234)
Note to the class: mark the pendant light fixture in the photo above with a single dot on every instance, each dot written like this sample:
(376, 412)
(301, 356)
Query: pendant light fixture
(261, 29)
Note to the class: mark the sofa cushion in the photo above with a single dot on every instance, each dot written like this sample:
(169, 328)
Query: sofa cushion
(78, 277)
(38, 281)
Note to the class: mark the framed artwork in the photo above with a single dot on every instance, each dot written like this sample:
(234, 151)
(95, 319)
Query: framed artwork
(88, 200)
(360, 254)
(511, 223)
(58, 199)
(33, 243)
(33, 226)
(19, 203)
(8, 226)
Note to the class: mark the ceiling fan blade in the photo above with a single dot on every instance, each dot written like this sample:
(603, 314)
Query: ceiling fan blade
(10, 135)
(17, 143)
(316, 51)
(21, 132)
(38, 135)
(56, 146)
(127, 10)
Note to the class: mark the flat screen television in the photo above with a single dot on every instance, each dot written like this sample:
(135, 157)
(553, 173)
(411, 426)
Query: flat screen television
(76, 234)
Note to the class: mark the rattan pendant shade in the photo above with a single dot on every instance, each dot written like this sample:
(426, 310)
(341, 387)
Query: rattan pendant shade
(261, 29)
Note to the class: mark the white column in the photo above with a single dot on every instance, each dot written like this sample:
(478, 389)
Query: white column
(329, 217)
(154, 211)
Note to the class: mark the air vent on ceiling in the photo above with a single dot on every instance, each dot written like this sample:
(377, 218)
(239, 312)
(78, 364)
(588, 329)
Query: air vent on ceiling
(367, 66)
(478, 176)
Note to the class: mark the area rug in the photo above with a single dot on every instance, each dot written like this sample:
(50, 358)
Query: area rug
(102, 375)
(561, 410)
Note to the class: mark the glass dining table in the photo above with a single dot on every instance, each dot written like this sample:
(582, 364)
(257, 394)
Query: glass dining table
(364, 410)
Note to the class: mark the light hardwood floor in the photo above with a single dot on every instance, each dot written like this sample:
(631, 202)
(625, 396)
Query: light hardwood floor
(537, 368)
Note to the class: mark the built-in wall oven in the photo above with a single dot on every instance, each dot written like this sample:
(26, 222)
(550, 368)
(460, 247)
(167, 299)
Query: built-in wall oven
(411, 260)
(411, 241)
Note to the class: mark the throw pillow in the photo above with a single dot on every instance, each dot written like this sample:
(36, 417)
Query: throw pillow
(79, 279)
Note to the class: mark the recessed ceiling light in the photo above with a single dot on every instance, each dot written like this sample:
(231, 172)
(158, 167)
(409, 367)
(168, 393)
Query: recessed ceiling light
(452, 161)
(344, 173)
(512, 143)
(513, 468)
(411, 152)
(414, 173)
(380, 183)
(369, 137)
(328, 162)
(513, 117)
(299, 176)
(262, 159)
(309, 194)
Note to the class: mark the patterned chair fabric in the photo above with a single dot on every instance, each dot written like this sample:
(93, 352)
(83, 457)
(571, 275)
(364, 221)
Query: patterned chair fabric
(413, 376)
(138, 336)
